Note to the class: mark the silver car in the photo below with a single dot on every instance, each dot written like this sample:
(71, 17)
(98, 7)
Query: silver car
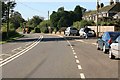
(71, 31)
(114, 51)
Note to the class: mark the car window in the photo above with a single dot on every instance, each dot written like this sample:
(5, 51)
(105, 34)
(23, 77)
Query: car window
(82, 29)
(91, 32)
(118, 39)
(105, 36)
(73, 28)
(114, 35)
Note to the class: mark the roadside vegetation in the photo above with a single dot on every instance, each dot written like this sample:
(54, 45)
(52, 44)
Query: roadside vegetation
(59, 21)
(10, 24)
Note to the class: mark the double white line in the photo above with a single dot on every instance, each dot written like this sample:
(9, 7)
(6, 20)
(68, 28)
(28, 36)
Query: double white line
(11, 58)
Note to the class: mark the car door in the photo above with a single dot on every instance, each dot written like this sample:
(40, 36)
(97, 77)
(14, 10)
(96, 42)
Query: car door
(116, 47)
(101, 41)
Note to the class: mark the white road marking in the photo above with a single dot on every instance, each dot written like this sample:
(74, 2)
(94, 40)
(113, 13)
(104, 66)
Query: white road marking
(5, 54)
(77, 61)
(60, 36)
(79, 67)
(27, 44)
(74, 53)
(94, 43)
(76, 57)
(79, 40)
(82, 76)
(72, 48)
(11, 58)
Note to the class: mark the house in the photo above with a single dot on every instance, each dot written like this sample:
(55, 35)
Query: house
(105, 13)
(117, 16)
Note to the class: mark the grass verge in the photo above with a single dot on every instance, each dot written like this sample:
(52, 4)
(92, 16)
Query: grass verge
(11, 38)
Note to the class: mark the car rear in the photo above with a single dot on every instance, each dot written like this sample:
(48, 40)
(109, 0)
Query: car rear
(73, 31)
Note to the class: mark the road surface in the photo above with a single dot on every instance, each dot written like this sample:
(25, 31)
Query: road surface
(52, 56)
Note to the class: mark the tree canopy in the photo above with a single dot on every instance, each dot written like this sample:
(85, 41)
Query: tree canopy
(63, 18)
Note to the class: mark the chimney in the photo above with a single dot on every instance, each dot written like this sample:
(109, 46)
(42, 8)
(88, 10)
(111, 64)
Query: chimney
(111, 2)
(116, 1)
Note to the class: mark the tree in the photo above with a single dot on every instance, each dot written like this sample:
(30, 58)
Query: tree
(16, 19)
(77, 25)
(5, 6)
(78, 13)
(63, 18)
(61, 9)
(35, 21)
(54, 18)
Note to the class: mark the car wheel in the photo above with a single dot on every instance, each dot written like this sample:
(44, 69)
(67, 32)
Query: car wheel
(98, 47)
(111, 56)
(104, 50)
(65, 34)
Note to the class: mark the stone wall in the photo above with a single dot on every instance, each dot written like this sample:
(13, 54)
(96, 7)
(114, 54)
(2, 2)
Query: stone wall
(102, 29)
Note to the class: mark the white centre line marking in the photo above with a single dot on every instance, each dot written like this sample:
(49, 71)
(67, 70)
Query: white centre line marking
(74, 53)
(72, 48)
(79, 40)
(82, 76)
(79, 67)
(76, 57)
(77, 61)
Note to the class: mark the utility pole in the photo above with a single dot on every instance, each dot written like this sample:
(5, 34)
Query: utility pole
(8, 11)
(97, 17)
(48, 15)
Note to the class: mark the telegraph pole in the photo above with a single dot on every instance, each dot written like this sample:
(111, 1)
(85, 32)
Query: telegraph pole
(48, 15)
(8, 11)
(97, 17)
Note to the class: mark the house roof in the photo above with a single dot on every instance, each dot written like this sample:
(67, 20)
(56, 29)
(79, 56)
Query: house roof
(106, 8)
(90, 13)
(118, 14)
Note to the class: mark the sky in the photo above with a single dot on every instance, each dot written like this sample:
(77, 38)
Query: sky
(30, 8)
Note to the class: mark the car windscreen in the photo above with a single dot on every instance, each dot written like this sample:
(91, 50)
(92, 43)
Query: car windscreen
(73, 28)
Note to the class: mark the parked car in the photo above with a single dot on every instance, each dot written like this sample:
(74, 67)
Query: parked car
(106, 40)
(114, 51)
(86, 32)
(71, 31)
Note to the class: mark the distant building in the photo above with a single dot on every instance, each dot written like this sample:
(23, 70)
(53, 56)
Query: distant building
(117, 16)
(105, 13)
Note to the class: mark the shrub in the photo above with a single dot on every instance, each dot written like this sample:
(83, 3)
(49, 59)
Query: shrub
(37, 30)
(11, 35)
(44, 29)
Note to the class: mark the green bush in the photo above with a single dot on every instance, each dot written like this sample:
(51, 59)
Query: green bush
(44, 29)
(37, 30)
(11, 34)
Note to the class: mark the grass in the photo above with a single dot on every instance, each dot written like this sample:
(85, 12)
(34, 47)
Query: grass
(12, 38)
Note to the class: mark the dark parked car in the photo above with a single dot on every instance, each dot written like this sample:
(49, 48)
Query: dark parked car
(105, 41)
